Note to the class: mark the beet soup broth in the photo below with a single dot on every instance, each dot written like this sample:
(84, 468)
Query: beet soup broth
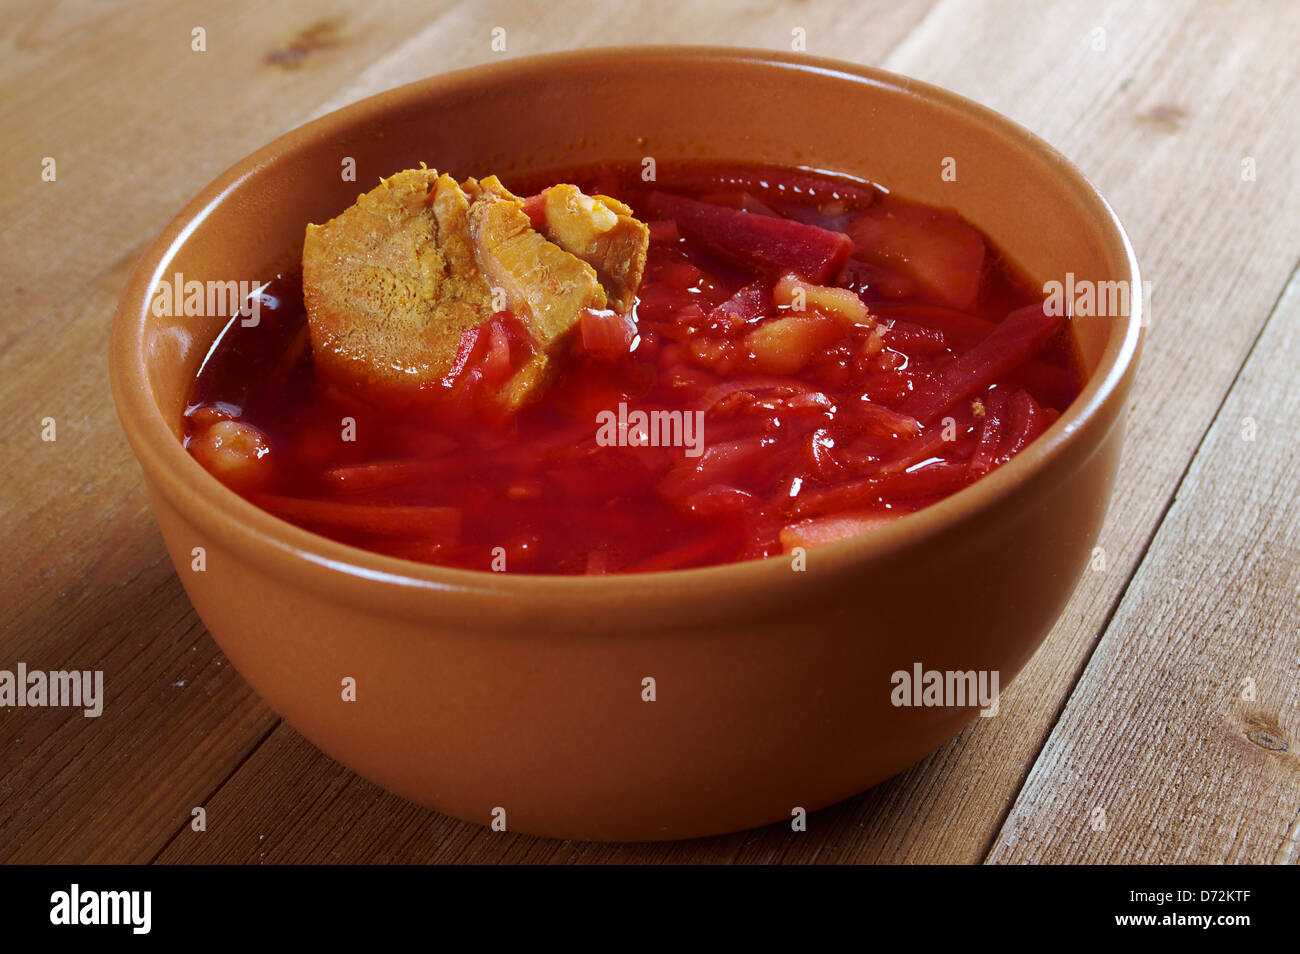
(808, 358)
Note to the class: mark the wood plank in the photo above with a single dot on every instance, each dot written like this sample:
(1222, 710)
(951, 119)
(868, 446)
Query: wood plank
(86, 584)
(861, 32)
(1153, 119)
(84, 580)
(292, 803)
(262, 819)
(1156, 118)
(137, 121)
(1184, 729)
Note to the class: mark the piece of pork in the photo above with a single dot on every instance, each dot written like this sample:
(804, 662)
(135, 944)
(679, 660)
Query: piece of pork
(545, 286)
(392, 283)
(603, 233)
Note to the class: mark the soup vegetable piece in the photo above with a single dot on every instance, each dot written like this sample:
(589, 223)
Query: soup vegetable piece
(595, 374)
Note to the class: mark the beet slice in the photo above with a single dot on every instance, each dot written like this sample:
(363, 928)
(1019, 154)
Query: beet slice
(1019, 337)
(1025, 421)
(965, 330)
(935, 247)
(389, 473)
(813, 253)
(915, 339)
(746, 305)
(985, 456)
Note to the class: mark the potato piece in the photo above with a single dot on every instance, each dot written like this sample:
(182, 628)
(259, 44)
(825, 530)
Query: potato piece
(838, 303)
(785, 345)
(933, 247)
(236, 453)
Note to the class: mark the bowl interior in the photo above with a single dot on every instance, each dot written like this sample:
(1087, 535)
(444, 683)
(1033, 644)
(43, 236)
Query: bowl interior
(546, 112)
(541, 113)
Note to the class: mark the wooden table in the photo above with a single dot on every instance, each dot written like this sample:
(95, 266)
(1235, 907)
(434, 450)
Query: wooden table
(1164, 703)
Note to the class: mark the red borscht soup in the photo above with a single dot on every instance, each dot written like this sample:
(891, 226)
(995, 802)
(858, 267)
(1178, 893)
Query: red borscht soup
(807, 359)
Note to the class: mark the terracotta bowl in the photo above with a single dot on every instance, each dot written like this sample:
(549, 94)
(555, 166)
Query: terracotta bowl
(477, 692)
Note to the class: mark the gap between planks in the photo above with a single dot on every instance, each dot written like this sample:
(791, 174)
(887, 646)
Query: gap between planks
(252, 750)
(1068, 746)
(1105, 627)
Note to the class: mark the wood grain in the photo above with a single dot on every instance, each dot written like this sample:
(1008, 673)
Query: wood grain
(1162, 117)
(1217, 250)
(137, 124)
(1226, 250)
(1184, 731)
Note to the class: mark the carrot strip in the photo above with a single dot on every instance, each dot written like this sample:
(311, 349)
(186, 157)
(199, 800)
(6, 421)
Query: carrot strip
(819, 531)
(386, 473)
(932, 480)
(403, 521)
(685, 555)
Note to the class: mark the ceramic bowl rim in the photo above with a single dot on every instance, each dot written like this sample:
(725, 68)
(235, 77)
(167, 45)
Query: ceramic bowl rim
(323, 563)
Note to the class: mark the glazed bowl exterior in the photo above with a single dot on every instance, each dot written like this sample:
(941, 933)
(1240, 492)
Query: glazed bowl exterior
(523, 699)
